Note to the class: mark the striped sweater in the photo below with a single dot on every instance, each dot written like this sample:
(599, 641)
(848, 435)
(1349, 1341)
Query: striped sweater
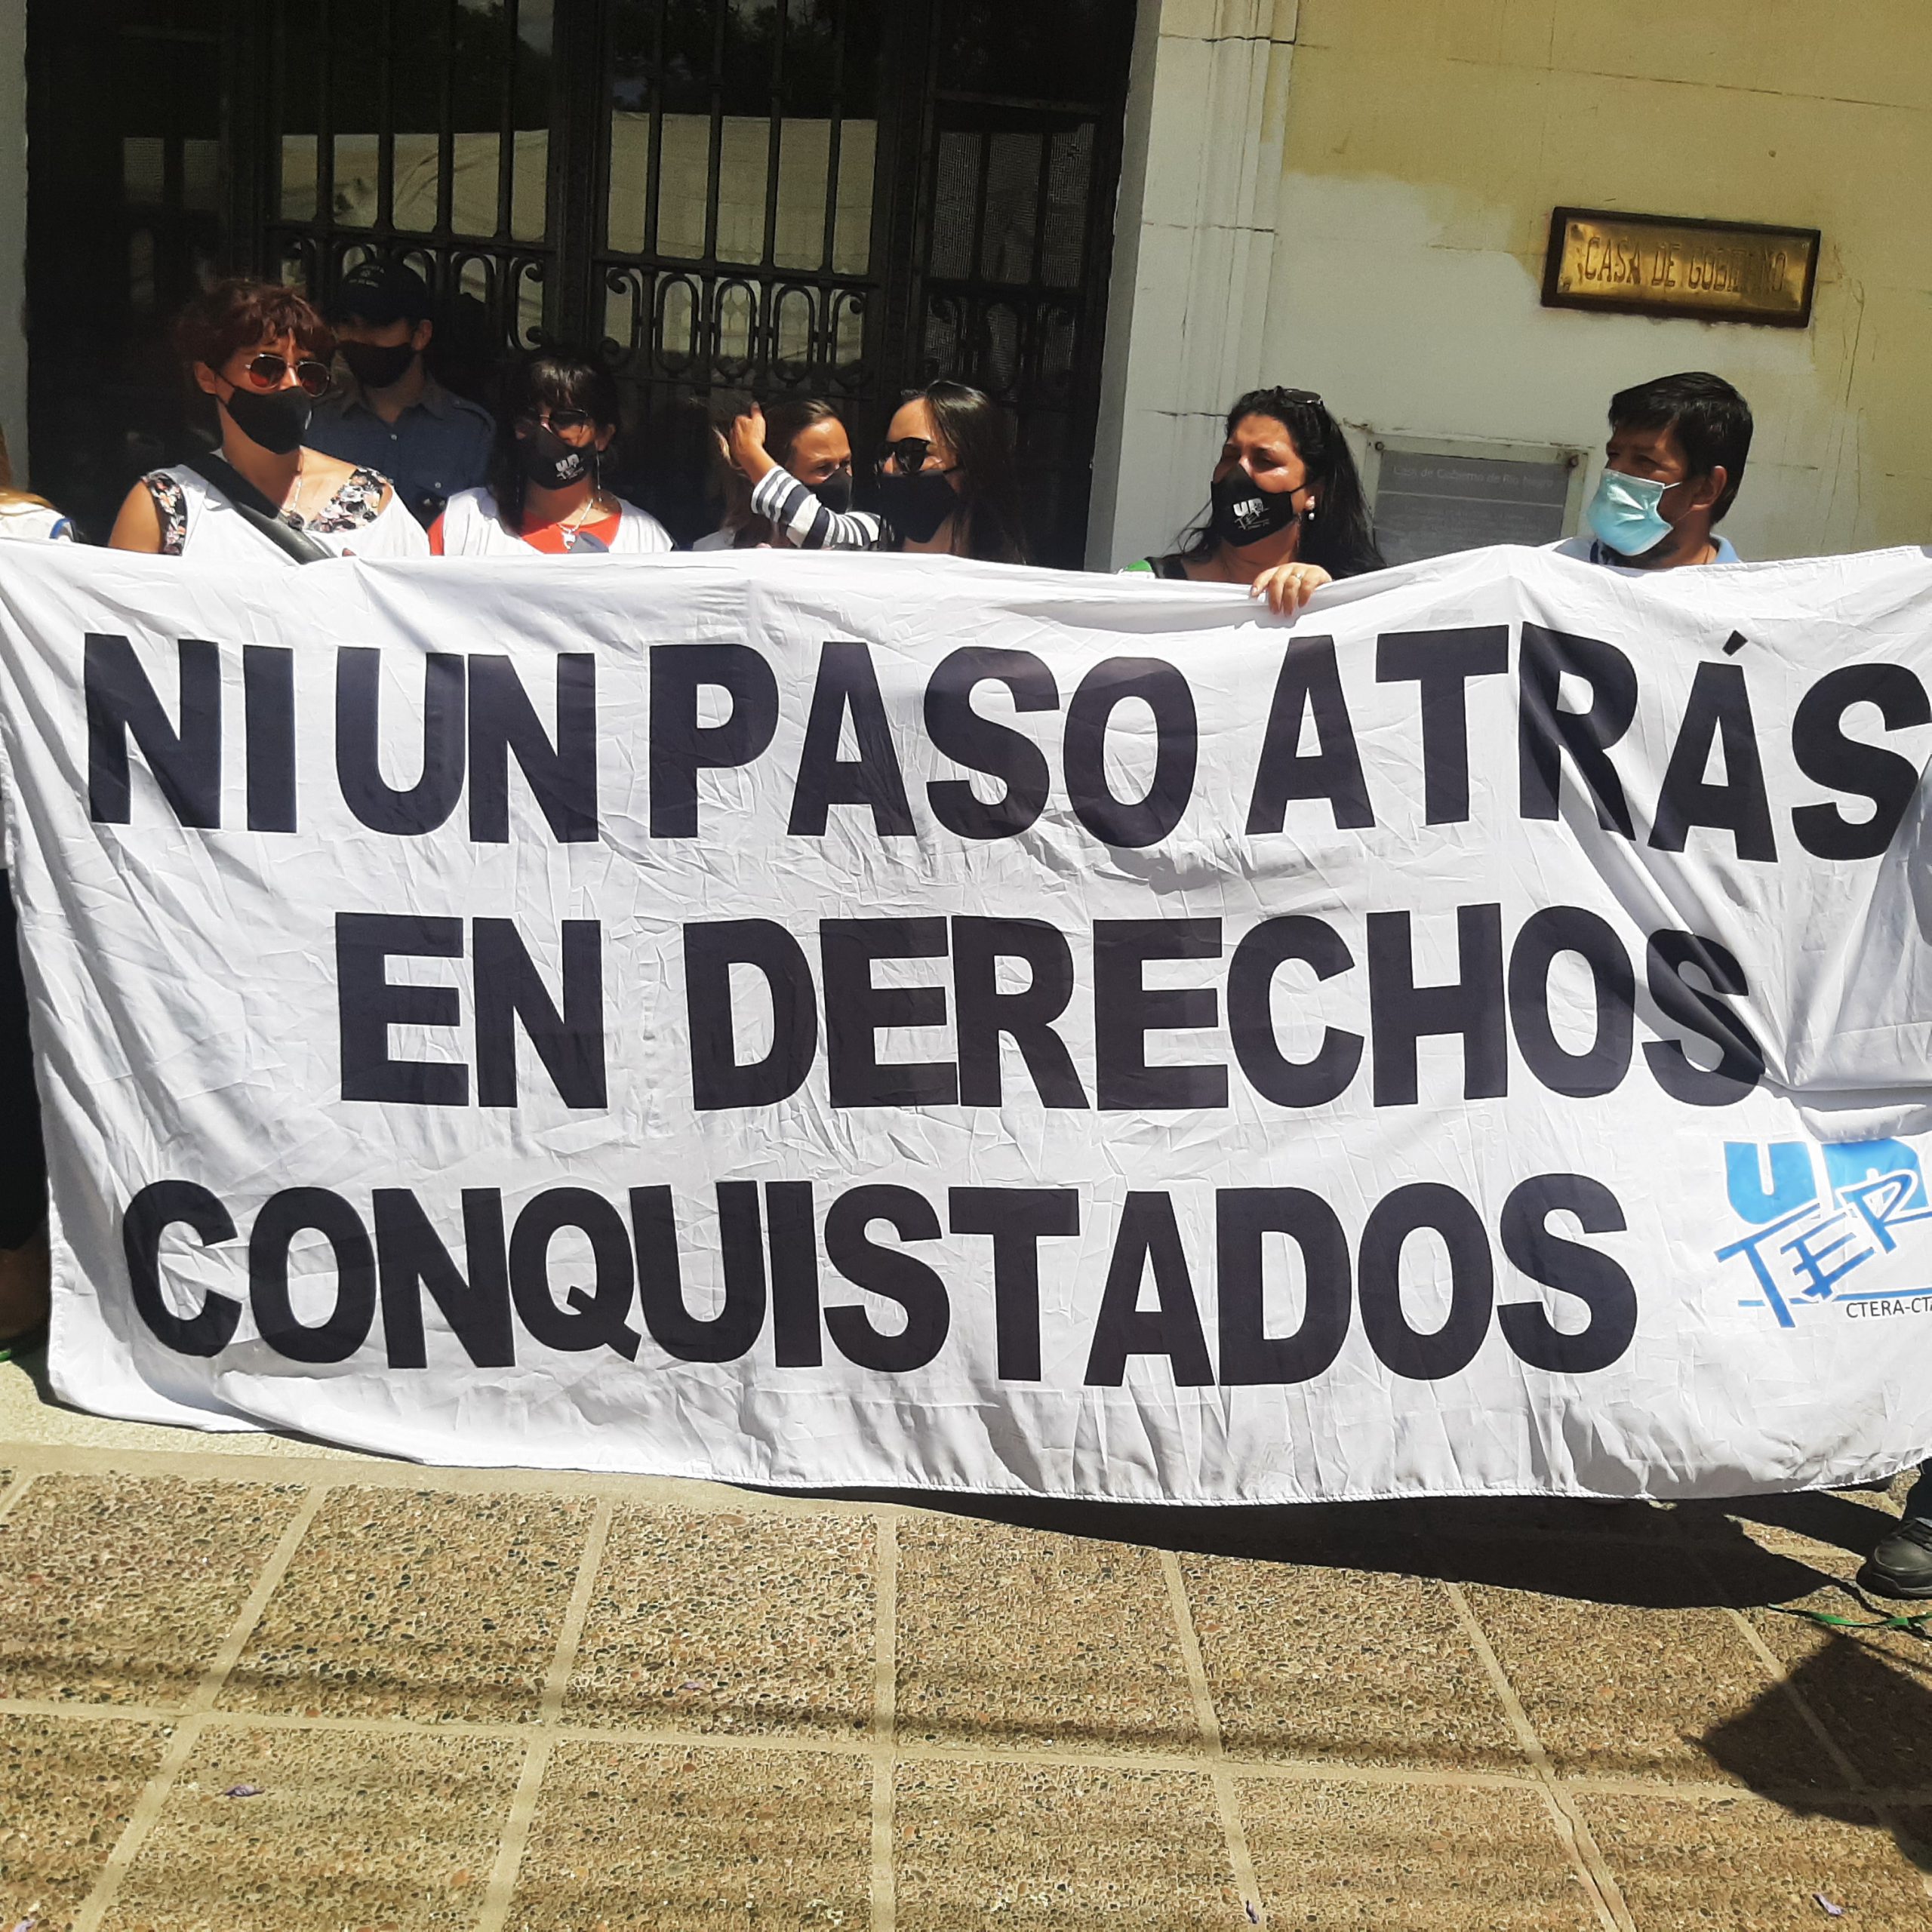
(798, 516)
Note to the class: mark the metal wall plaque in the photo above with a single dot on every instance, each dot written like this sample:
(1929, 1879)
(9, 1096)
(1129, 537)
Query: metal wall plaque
(1431, 500)
(1654, 265)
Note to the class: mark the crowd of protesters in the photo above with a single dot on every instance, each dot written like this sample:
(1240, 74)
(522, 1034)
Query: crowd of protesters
(336, 439)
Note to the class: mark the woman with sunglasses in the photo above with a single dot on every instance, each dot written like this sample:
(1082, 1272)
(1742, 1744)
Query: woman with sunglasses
(947, 483)
(557, 418)
(798, 460)
(1286, 510)
(262, 353)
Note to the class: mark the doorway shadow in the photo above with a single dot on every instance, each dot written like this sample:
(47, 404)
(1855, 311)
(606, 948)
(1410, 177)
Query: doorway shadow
(1872, 1694)
(1629, 1553)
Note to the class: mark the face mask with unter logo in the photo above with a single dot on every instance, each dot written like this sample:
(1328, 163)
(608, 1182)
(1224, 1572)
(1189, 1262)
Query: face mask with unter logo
(1245, 513)
(550, 463)
(1623, 513)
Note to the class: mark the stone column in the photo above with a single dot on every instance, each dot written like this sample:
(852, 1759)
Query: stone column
(1194, 247)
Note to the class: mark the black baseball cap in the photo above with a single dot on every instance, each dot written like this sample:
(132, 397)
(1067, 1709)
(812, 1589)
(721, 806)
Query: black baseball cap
(381, 293)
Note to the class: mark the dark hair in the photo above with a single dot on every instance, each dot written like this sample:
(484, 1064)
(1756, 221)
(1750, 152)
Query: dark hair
(239, 313)
(980, 434)
(786, 420)
(1705, 414)
(1341, 537)
(552, 379)
(677, 472)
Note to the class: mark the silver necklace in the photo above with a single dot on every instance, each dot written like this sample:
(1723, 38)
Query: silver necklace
(572, 526)
(292, 510)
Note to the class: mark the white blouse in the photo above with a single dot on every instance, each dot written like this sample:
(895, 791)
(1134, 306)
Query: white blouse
(472, 528)
(197, 521)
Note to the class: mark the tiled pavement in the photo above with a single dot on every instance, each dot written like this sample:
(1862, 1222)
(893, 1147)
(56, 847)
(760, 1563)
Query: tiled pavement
(248, 1686)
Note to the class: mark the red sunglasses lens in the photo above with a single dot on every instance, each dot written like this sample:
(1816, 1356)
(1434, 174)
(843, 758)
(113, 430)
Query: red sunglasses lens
(266, 370)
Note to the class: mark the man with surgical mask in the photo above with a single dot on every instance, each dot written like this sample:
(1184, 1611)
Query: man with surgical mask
(387, 412)
(1676, 457)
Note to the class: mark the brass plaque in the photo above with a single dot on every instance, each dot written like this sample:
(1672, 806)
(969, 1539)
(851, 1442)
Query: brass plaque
(1652, 264)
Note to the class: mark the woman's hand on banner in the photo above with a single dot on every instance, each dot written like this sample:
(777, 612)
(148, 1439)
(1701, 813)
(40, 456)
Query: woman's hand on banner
(1288, 587)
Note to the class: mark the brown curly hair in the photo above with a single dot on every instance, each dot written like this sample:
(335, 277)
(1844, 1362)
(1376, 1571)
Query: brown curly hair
(239, 313)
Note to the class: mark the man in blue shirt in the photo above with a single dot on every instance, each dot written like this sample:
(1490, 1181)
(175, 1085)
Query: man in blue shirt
(1676, 457)
(1677, 452)
(389, 413)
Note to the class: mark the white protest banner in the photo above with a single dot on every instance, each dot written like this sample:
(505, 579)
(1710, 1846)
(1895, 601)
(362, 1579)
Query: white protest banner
(872, 1021)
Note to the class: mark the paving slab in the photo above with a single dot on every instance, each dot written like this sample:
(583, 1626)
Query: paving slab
(67, 1790)
(1350, 1665)
(1746, 1865)
(637, 1839)
(119, 1589)
(1011, 1638)
(346, 1829)
(1021, 1847)
(736, 1620)
(1411, 1858)
(402, 1603)
(1614, 1691)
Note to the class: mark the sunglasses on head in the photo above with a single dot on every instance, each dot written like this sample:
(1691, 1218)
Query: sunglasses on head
(910, 453)
(265, 371)
(565, 421)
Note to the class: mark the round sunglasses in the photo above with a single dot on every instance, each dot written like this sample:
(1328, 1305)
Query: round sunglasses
(266, 371)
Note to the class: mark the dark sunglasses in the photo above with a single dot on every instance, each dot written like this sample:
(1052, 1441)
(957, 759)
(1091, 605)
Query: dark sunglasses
(565, 421)
(1308, 396)
(265, 371)
(910, 453)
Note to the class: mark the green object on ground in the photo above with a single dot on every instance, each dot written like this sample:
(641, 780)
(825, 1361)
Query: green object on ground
(16, 1345)
(1915, 1621)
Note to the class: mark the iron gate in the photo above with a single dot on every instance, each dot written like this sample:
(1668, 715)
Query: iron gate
(720, 198)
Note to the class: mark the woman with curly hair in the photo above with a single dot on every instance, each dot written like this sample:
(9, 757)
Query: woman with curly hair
(262, 353)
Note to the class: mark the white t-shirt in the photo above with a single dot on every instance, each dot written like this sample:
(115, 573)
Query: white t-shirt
(34, 523)
(197, 521)
(472, 528)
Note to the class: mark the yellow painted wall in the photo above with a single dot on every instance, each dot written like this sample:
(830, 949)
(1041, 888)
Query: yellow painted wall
(1427, 140)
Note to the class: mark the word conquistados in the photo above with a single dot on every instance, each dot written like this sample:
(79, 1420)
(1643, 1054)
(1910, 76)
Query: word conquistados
(772, 1243)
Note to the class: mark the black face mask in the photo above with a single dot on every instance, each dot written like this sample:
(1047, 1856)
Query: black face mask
(916, 506)
(277, 419)
(376, 367)
(1245, 513)
(550, 463)
(834, 491)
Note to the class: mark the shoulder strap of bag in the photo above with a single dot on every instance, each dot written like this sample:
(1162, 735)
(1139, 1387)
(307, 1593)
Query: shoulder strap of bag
(254, 508)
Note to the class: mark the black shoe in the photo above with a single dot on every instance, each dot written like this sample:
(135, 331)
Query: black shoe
(1901, 1564)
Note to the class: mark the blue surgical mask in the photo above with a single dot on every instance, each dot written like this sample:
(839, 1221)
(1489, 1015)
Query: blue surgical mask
(1623, 513)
